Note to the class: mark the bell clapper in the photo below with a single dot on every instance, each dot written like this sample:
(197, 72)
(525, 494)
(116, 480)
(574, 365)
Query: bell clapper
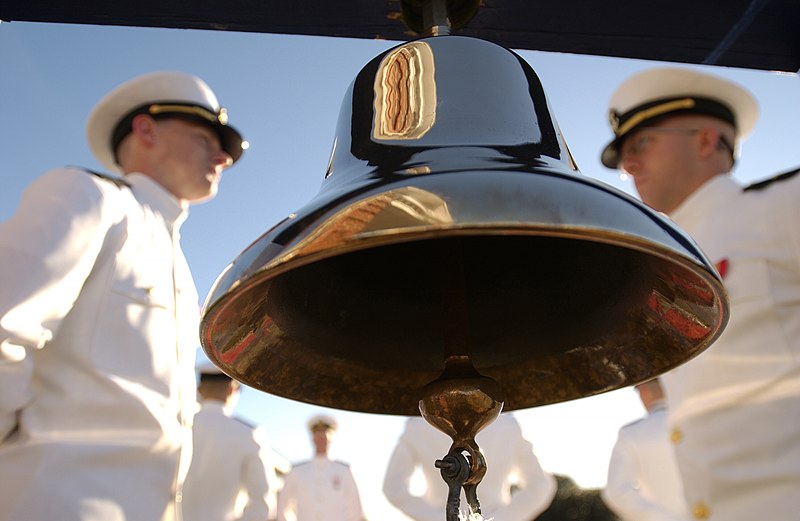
(460, 403)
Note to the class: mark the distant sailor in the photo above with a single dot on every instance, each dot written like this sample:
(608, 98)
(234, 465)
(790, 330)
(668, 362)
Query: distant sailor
(320, 489)
(643, 480)
(515, 488)
(229, 477)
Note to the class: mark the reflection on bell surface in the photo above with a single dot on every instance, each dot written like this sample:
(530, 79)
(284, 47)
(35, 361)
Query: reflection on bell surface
(451, 224)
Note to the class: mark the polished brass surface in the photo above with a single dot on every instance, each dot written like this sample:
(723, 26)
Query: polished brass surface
(453, 221)
(460, 403)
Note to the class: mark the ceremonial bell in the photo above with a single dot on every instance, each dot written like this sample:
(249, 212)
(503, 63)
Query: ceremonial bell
(452, 224)
(455, 263)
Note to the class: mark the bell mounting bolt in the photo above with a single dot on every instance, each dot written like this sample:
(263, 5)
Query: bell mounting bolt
(438, 17)
(460, 403)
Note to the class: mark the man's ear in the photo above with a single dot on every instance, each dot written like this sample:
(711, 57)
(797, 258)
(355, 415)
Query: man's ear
(143, 127)
(709, 141)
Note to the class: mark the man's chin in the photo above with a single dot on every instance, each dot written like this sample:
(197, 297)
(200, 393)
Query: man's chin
(210, 194)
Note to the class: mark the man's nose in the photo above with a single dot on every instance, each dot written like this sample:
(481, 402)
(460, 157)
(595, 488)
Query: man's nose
(223, 159)
(629, 164)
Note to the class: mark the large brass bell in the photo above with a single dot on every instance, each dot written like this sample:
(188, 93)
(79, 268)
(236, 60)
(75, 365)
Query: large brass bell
(455, 263)
(453, 224)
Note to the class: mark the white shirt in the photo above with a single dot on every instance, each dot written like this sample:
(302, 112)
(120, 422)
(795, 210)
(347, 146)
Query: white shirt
(510, 460)
(226, 461)
(319, 490)
(735, 408)
(757, 234)
(98, 332)
(643, 480)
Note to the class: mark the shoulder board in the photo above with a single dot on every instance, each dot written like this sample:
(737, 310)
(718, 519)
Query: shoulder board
(766, 182)
(120, 182)
(244, 422)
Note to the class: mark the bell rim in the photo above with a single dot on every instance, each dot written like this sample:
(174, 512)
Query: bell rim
(708, 276)
(286, 261)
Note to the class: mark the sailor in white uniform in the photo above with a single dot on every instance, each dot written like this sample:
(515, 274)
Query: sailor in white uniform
(228, 479)
(643, 481)
(511, 466)
(734, 411)
(320, 489)
(99, 313)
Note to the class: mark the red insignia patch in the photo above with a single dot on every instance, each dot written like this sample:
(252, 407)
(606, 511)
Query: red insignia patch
(722, 267)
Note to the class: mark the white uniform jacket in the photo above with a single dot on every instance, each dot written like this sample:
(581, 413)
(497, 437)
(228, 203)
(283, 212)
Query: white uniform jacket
(226, 461)
(98, 333)
(320, 490)
(643, 480)
(510, 462)
(735, 409)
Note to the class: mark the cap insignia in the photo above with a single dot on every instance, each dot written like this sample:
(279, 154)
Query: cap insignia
(613, 120)
(222, 116)
(160, 108)
(657, 110)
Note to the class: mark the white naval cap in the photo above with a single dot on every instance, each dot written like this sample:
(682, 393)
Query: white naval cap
(321, 421)
(648, 96)
(159, 94)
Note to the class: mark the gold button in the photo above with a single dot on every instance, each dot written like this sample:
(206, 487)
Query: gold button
(676, 436)
(700, 511)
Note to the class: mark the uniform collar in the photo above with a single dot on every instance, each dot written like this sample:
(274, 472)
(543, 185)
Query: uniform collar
(157, 197)
(212, 404)
(216, 406)
(706, 200)
(657, 405)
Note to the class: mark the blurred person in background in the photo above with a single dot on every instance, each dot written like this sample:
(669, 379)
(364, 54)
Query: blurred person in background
(515, 488)
(228, 479)
(320, 489)
(643, 481)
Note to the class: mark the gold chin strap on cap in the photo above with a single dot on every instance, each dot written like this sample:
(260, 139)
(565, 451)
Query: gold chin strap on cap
(216, 119)
(649, 113)
(220, 117)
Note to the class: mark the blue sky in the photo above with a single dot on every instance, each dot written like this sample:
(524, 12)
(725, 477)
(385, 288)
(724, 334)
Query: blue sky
(284, 93)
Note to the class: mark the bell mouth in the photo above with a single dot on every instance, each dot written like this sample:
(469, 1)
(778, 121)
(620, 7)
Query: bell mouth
(565, 291)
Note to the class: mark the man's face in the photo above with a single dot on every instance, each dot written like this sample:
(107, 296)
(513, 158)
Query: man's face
(192, 158)
(662, 160)
(321, 439)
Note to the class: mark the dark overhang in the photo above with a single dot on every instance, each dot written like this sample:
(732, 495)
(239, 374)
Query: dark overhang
(753, 34)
